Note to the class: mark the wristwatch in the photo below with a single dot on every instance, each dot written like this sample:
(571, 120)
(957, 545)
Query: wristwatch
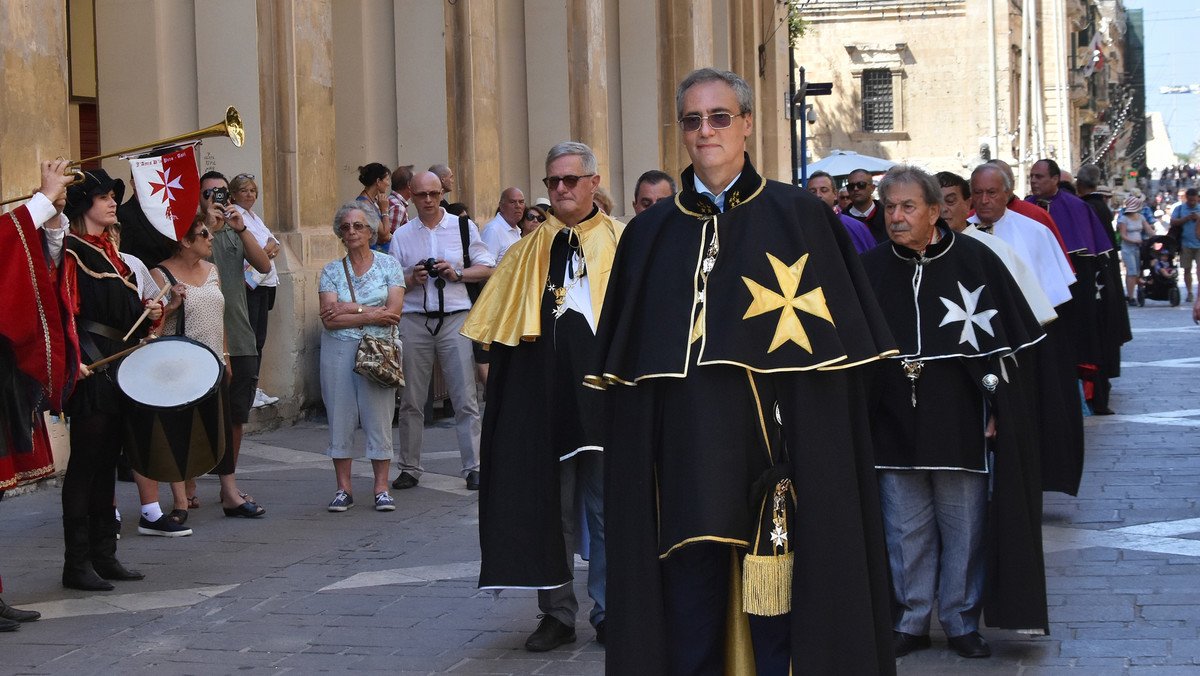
(458, 271)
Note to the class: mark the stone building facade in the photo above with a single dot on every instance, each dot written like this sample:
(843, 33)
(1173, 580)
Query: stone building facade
(943, 83)
(486, 86)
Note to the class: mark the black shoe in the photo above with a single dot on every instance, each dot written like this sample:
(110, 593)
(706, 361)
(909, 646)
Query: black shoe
(903, 644)
(970, 645)
(405, 480)
(601, 634)
(84, 579)
(1103, 411)
(7, 612)
(9, 625)
(113, 570)
(472, 481)
(549, 634)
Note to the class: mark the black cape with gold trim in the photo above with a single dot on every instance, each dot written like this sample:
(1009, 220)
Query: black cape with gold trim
(538, 409)
(788, 310)
(969, 315)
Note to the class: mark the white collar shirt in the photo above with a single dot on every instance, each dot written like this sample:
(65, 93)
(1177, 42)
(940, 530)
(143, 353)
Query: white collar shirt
(413, 243)
(498, 235)
(718, 200)
(862, 214)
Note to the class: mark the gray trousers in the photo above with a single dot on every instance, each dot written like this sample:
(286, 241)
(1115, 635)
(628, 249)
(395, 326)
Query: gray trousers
(453, 353)
(581, 478)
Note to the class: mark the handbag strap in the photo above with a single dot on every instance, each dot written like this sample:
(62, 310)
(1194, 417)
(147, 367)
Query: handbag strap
(172, 281)
(349, 281)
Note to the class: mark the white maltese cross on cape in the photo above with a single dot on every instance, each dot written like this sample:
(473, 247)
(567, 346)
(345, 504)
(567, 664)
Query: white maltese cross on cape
(968, 316)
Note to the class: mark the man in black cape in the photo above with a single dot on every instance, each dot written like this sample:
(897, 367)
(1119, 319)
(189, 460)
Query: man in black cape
(542, 446)
(743, 522)
(956, 463)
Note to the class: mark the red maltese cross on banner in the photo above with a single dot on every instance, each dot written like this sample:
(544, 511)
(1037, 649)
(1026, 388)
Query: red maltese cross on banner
(168, 189)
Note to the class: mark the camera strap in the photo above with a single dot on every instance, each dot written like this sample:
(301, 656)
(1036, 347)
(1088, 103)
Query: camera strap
(441, 311)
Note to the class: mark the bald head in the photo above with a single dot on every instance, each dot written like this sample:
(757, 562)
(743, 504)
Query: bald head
(512, 206)
(427, 194)
(445, 175)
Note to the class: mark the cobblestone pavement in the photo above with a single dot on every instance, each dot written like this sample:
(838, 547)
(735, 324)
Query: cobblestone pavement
(304, 590)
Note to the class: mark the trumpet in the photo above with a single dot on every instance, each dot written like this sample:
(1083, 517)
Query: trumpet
(231, 126)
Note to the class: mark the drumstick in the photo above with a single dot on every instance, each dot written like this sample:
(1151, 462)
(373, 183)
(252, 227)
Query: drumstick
(122, 353)
(146, 313)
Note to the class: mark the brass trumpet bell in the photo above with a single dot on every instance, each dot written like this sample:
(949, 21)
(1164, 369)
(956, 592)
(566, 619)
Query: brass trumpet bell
(231, 126)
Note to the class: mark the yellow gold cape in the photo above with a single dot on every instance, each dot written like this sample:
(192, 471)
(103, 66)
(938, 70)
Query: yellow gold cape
(509, 307)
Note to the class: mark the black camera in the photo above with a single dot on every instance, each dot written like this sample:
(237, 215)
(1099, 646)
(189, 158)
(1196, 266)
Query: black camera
(430, 265)
(220, 196)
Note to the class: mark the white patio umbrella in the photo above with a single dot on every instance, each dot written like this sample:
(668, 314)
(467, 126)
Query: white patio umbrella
(841, 162)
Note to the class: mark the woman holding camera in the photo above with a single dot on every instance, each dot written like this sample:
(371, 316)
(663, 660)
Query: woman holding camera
(361, 293)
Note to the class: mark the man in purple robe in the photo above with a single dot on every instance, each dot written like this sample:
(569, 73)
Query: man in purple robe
(821, 185)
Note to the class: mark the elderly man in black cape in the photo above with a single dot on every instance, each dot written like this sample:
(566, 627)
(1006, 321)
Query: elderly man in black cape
(742, 513)
(957, 474)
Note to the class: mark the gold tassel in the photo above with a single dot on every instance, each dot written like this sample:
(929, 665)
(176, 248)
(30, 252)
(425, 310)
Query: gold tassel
(767, 580)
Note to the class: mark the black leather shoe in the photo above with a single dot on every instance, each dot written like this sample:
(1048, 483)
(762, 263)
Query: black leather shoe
(549, 634)
(472, 481)
(903, 644)
(9, 625)
(113, 570)
(7, 612)
(970, 645)
(84, 579)
(405, 480)
(601, 634)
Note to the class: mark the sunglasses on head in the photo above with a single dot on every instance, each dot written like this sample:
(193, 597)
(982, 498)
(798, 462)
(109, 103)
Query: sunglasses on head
(249, 176)
(715, 121)
(570, 180)
(858, 185)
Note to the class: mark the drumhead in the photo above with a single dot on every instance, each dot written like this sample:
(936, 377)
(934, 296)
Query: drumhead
(169, 372)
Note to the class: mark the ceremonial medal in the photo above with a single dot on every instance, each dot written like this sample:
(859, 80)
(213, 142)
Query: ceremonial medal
(912, 370)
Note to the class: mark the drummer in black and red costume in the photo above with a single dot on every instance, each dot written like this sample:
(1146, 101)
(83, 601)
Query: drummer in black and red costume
(38, 355)
(102, 291)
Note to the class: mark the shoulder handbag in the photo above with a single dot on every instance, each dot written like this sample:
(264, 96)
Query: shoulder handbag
(473, 288)
(377, 359)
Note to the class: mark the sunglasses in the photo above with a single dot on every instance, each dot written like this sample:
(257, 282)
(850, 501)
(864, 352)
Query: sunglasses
(346, 227)
(859, 185)
(715, 121)
(534, 217)
(432, 194)
(204, 233)
(570, 180)
(249, 176)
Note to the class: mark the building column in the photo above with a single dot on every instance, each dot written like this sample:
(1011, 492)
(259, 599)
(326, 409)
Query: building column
(473, 113)
(298, 186)
(33, 90)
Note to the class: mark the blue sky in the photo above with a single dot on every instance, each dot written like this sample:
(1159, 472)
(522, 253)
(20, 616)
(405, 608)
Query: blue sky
(1173, 58)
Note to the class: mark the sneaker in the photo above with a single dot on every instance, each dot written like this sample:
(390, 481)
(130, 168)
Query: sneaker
(384, 502)
(341, 502)
(266, 399)
(164, 526)
(258, 399)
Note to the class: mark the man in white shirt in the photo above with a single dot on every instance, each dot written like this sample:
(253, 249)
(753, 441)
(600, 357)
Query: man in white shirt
(505, 229)
(430, 249)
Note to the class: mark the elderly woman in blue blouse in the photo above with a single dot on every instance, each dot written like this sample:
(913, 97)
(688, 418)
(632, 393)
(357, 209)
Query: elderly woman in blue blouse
(359, 293)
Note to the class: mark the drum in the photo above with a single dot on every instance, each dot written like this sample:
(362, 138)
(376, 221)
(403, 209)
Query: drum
(176, 421)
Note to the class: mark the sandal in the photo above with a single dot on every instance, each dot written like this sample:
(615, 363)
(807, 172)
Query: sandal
(193, 503)
(246, 496)
(246, 509)
(180, 516)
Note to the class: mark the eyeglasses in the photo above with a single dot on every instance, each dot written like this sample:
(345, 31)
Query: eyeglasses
(432, 194)
(715, 121)
(345, 227)
(570, 180)
(204, 233)
(534, 217)
(858, 185)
